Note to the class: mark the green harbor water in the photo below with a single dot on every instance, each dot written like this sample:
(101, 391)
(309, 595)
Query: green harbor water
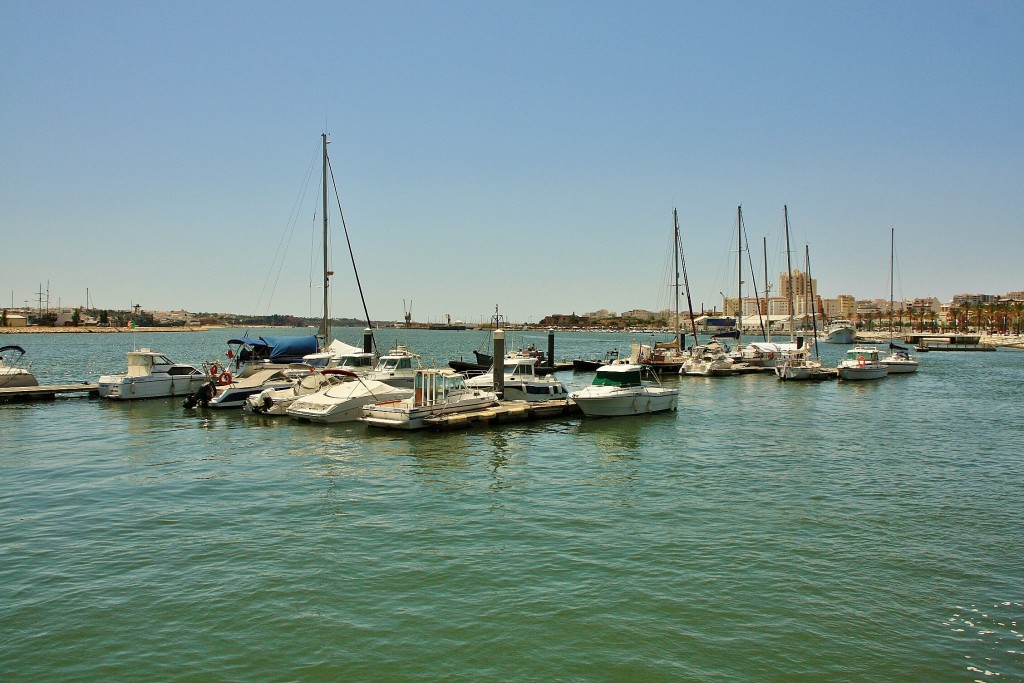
(766, 531)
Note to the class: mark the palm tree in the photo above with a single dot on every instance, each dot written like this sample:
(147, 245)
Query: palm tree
(1018, 309)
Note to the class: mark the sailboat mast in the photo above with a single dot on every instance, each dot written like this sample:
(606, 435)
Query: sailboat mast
(327, 319)
(739, 277)
(767, 288)
(675, 257)
(789, 266)
(814, 302)
(892, 257)
(686, 280)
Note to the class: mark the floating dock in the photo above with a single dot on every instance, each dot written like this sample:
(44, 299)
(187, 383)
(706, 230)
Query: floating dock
(948, 342)
(505, 412)
(48, 392)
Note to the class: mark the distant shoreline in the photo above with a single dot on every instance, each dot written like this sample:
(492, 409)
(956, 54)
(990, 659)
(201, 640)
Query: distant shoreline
(35, 329)
(1008, 341)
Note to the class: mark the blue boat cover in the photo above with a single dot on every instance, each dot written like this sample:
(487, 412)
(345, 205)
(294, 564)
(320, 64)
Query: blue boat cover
(291, 347)
(280, 348)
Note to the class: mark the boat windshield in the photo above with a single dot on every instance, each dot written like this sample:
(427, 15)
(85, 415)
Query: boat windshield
(617, 378)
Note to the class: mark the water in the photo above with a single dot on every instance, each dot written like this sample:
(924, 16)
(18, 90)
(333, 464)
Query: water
(766, 531)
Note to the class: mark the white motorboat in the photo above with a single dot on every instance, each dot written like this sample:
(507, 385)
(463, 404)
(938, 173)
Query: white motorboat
(13, 374)
(343, 402)
(618, 390)
(800, 366)
(151, 374)
(521, 381)
(841, 331)
(435, 392)
(277, 401)
(899, 361)
(396, 367)
(230, 392)
(708, 360)
(862, 363)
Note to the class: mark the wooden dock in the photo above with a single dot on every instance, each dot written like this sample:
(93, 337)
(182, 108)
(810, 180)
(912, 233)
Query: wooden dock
(505, 412)
(48, 392)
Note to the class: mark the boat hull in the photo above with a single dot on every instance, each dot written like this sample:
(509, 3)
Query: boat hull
(343, 403)
(121, 388)
(623, 402)
(17, 377)
(862, 372)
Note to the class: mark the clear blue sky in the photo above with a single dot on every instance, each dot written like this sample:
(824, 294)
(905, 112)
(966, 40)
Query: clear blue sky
(524, 154)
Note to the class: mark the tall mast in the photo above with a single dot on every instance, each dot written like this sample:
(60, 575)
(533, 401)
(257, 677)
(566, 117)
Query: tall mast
(739, 277)
(892, 257)
(327, 318)
(686, 280)
(767, 288)
(814, 302)
(789, 267)
(675, 257)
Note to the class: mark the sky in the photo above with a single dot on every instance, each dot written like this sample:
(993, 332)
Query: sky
(526, 156)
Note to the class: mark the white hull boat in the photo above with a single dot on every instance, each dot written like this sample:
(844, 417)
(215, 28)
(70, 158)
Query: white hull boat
(521, 382)
(230, 392)
(344, 402)
(277, 401)
(841, 332)
(618, 391)
(899, 362)
(435, 393)
(14, 375)
(862, 364)
(151, 374)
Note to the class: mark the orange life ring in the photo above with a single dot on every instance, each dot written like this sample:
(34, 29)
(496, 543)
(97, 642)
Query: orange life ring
(860, 361)
(225, 378)
(214, 370)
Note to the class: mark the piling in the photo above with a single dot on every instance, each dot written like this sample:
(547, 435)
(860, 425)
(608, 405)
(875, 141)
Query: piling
(367, 340)
(498, 362)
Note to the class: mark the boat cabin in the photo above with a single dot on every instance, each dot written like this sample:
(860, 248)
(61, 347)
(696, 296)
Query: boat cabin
(618, 376)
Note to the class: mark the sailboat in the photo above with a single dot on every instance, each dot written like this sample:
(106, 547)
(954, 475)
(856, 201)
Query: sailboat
(899, 361)
(665, 357)
(761, 354)
(797, 364)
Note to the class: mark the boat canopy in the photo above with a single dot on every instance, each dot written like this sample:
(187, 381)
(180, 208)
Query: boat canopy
(618, 376)
(12, 347)
(279, 348)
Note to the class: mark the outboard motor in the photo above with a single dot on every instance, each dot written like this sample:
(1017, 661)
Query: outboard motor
(201, 396)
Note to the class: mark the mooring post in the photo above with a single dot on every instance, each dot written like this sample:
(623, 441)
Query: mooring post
(551, 348)
(367, 340)
(499, 363)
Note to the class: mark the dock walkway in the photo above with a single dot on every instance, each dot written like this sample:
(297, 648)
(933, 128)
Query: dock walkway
(504, 412)
(48, 392)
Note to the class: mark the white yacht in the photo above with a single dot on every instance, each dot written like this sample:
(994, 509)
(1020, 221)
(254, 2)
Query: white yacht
(521, 381)
(798, 365)
(277, 401)
(397, 368)
(841, 331)
(708, 360)
(230, 392)
(435, 392)
(862, 363)
(344, 401)
(151, 374)
(618, 390)
(899, 361)
(13, 374)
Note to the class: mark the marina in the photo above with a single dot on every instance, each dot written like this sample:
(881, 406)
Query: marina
(880, 516)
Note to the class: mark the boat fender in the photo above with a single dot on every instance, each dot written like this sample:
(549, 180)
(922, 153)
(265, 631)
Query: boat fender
(860, 361)
(214, 370)
(224, 378)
